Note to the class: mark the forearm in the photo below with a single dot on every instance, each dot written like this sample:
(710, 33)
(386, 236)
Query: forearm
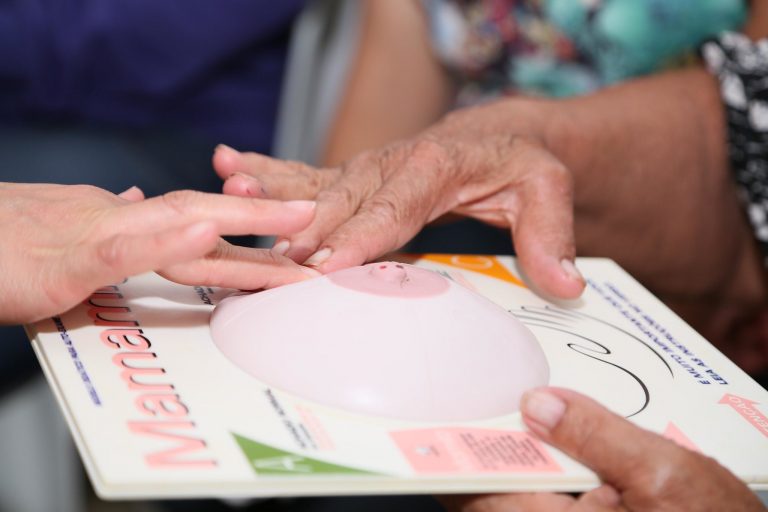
(396, 86)
(664, 132)
(653, 185)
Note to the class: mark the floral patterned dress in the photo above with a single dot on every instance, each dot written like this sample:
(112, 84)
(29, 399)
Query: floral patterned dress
(566, 47)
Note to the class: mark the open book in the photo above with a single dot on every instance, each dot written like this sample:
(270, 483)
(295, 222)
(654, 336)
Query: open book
(157, 411)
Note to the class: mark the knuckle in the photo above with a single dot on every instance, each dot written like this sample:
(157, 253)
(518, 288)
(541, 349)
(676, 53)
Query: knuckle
(428, 152)
(271, 258)
(584, 440)
(385, 209)
(88, 190)
(220, 254)
(342, 194)
(92, 192)
(550, 177)
(110, 254)
(180, 201)
(665, 476)
(316, 180)
(366, 160)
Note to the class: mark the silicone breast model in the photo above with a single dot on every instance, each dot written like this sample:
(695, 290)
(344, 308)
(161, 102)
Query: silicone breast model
(385, 339)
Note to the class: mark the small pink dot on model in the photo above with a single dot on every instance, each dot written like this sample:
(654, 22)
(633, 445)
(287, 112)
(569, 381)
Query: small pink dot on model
(391, 279)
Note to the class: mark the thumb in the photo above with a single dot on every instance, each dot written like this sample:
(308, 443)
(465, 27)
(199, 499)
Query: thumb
(594, 436)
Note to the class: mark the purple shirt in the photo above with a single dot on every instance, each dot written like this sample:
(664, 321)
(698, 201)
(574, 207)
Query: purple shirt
(208, 67)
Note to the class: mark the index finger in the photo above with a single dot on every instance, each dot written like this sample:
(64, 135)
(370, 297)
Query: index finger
(262, 176)
(232, 215)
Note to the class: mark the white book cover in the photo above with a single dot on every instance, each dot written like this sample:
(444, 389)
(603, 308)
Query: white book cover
(157, 411)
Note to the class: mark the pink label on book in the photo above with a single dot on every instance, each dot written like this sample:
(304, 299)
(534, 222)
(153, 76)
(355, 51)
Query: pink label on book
(474, 450)
(675, 434)
(746, 408)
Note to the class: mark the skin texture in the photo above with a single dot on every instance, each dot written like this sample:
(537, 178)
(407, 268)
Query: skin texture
(637, 173)
(649, 473)
(668, 142)
(70, 240)
(378, 201)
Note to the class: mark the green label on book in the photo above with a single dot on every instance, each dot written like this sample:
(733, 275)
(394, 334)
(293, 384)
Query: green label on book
(268, 460)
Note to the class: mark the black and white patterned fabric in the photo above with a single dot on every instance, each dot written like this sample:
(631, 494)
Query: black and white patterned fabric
(742, 68)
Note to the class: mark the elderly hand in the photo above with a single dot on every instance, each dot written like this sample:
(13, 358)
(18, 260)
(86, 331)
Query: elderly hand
(643, 165)
(640, 471)
(467, 164)
(63, 242)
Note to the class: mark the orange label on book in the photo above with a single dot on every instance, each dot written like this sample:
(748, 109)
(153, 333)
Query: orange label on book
(486, 265)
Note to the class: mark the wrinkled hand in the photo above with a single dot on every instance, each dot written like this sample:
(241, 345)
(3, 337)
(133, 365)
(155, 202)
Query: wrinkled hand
(640, 471)
(380, 199)
(63, 242)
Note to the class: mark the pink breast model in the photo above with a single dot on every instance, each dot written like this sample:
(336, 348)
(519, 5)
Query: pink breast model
(385, 339)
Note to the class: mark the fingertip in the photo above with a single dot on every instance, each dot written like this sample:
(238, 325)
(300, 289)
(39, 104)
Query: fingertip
(543, 236)
(319, 258)
(330, 259)
(559, 279)
(226, 149)
(281, 247)
(226, 160)
(569, 283)
(542, 410)
(301, 206)
(572, 274)
(238, 184)
(301, 273)
(299, 252)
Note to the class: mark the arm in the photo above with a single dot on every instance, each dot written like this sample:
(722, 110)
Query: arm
(653, 189)
(396, 86)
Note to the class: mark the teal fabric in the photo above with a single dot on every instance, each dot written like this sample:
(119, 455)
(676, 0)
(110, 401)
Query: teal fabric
(566, 47)
(625, 38)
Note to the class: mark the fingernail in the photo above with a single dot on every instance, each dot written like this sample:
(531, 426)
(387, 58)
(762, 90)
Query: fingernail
(228, 149)
(310, 272)
(570, 270)
(129, 190)
(543, 407)
(281, 247)
(319, 257)
(300, 206)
